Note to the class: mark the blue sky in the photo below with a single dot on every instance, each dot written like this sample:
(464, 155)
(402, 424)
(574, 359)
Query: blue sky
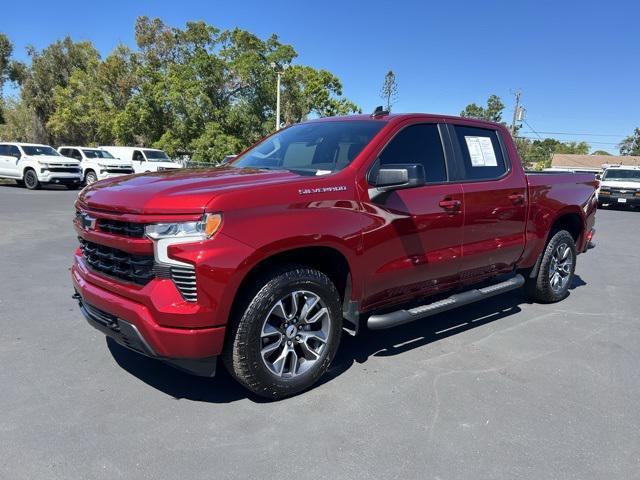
(575, 62)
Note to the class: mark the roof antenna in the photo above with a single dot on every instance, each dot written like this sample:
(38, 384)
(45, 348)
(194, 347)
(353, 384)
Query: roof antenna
(379, 112)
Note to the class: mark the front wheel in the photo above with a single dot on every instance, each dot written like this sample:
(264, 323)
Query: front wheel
(556, 269)
(90, 177)
(31, 180)
(287, 333)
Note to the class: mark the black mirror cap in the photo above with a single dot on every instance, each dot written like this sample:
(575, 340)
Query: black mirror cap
(396, 177)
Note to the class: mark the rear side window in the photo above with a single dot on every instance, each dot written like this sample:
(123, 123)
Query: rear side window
(4, 149)
(418, 144)
(481, 153)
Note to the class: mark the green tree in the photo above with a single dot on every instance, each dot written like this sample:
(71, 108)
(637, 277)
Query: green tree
(600, 152)
(389, 90)
(631, 144)
(539, 153)
(19, 124)
(491, 112)
(52, 68)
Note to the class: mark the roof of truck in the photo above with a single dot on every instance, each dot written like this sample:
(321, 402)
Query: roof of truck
(397, 117)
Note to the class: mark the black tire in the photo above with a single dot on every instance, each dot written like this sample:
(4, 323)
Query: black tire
(31, 179)
(90, 177)
(541, 287)
(242, 355)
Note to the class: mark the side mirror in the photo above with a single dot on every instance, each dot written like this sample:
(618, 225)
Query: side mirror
(396, 177)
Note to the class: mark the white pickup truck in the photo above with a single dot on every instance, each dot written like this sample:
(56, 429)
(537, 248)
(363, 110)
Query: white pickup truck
(620, 185)
(32, 165)
(144, 159)
(97, 164)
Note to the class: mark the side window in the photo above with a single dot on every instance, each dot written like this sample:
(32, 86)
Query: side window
(64, 152)
(4, 149)
(14, 151)
(76, 154)
(418, 144)
(481, 153)
(137, 156)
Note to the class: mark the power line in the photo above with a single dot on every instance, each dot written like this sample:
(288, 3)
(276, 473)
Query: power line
(534, 131)
(578, 134)
(576, 141)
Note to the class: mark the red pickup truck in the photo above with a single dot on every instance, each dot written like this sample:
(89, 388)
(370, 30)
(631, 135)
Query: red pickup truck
(330, 225)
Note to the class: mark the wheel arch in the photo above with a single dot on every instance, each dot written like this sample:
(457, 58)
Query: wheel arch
(327, 259)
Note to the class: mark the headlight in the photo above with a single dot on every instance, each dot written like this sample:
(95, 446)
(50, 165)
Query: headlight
(43, 164)
(102, 165)
(185, 232)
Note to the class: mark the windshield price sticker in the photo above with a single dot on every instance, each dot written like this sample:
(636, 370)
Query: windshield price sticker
(481, 152)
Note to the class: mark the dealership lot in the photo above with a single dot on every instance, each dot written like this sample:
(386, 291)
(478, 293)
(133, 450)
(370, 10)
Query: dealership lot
(500, 389)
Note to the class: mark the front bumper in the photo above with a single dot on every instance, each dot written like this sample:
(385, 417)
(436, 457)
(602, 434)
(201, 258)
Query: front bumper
(62, 178)
(619, 200)
(132, 325)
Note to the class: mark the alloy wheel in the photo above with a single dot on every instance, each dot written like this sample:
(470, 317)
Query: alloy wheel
(294, 334)
(561, 267)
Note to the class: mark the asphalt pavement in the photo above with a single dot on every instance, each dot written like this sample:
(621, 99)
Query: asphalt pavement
(503, 389)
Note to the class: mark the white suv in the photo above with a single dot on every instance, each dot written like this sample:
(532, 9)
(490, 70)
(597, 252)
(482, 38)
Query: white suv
(32, 165)
(97, 164)
(144, 159)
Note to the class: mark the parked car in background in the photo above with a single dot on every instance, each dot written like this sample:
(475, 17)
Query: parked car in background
(33, 165)
(143, 159)
(97, 164)
(620, 186)
(335, 223)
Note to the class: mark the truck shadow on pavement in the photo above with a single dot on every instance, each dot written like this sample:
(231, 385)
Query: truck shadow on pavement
(395, 341)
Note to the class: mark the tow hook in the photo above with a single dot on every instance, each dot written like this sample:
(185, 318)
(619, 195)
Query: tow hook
(76, 296)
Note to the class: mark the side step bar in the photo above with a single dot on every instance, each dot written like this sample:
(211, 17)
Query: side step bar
(399, 317)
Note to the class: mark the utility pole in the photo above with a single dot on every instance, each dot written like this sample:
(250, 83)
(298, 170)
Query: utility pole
(279, 69)
(516, 113)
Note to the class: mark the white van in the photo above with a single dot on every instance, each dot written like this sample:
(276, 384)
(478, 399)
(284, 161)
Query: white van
(32, 165)
(97, 164)
(144, 159)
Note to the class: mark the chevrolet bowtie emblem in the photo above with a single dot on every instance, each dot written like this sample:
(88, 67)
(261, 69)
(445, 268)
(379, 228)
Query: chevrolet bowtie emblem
(87, 222)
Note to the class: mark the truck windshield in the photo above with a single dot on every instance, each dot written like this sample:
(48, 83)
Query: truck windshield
(156, 156)
(619, 174)
(315, 148)
(97, 153)
(34, 150)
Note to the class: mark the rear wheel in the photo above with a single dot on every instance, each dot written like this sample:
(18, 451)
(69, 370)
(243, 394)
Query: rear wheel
(31, 180)
(286, 335)
(556, 270)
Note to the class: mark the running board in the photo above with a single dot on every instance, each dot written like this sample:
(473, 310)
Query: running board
(399, 317)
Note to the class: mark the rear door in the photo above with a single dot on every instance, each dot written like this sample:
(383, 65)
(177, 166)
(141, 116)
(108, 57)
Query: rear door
(413, 246)
(494, 202)
(5, 160)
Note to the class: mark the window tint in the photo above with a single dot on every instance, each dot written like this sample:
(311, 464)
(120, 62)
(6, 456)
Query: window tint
(64, 152)
(14, 151)
(481, 153)
(4, 149)
(137, 155)
(417, 144)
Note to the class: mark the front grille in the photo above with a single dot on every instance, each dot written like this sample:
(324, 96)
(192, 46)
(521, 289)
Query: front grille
(623, 192)
(137, 269)
(117, 227)
(123, 171)
(63, 169)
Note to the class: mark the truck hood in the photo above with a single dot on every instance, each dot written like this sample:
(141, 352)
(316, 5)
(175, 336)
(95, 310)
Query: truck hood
(116, 162)
(619, 184)
(53, 160)
(176, 191)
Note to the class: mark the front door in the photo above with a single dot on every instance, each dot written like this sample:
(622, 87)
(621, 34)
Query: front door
(413, 245)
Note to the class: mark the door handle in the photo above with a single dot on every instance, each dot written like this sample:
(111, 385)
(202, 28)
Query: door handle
(517, 198)
(450, 205)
